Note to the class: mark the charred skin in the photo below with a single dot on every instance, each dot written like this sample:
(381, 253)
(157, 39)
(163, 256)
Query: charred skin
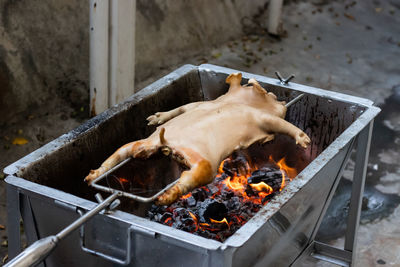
(199, 135)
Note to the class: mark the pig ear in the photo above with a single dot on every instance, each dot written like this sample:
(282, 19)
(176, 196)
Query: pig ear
(234, 79)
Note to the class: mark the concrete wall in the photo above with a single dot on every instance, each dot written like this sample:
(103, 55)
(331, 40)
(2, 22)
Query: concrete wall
(172, 31)
(44, 44)
(43, 51)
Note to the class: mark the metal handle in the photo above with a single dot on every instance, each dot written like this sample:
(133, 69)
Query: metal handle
(125, 261)
(39, 250)
(35, 253)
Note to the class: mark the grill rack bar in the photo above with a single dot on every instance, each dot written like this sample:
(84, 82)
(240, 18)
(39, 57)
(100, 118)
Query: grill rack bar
(125, 194)
(95, 184)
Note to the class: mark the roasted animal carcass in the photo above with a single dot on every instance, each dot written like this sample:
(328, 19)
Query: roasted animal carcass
(202, 134)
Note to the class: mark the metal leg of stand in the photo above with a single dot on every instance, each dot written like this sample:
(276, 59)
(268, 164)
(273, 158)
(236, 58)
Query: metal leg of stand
(346, 256)
(13, 219)
(360, 169)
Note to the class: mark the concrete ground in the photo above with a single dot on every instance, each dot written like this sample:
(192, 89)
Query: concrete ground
(351, 47)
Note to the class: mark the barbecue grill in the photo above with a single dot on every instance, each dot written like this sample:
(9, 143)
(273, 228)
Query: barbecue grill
(46, 187)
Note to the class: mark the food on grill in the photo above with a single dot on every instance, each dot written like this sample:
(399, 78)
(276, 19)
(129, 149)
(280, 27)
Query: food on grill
(202, 134)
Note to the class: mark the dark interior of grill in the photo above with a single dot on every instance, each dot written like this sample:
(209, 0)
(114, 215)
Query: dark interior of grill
(91, 143)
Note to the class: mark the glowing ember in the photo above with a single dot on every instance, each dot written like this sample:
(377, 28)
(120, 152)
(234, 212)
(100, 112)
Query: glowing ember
(123, 180)
(186, 196)
(239, 191)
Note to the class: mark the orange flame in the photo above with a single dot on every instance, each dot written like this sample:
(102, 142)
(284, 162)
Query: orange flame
(195, 220)
(221, 166)
(291, 172)
(221, 221)
(262, 187)
(186, 196)
(238, 181)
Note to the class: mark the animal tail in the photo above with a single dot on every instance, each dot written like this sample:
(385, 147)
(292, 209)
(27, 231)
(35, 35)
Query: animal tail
(162, 138)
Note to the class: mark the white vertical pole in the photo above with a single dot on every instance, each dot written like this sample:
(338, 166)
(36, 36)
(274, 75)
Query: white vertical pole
(274, 17)
(98, 56)
(122, 50)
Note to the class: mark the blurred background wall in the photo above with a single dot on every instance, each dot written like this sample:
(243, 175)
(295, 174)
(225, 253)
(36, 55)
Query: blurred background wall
(44, 45)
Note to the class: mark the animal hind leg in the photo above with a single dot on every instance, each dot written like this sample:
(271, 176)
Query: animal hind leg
(138, 149)
(200, 174)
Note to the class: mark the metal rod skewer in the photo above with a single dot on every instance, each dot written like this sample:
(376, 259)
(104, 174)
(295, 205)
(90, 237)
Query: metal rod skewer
(40, 249)
(154, 197)
(297, 98)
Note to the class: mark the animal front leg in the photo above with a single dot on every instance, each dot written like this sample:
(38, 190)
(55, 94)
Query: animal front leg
(162, 117)
(137, 149)
(275, 124)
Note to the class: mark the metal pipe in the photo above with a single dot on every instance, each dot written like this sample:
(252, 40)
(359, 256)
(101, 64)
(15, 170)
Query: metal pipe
(121, 75)
(274, 17)
(98, 56)
(291, 102)
(112, 52)
(40, 249)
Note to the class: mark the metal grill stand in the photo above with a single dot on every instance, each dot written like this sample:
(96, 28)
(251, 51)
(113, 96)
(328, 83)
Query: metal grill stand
(282, 233)
(345, 256)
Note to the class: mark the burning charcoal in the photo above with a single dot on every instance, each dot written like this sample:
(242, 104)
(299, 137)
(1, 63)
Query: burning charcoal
(180, 213)
(213, 189)
(266, 175)
(165, 216)
(199, 194)
(210, 208)
(157, 209)
(187, 224)
(157, 217)
(220, 236)
(222, 177)
(234, 203)
(249, 191)
(191, 201)
(267, 198)
(175, 205)
(227, 195)
(244, 217)
(203, 212)
(236, 165)
(271, 177)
